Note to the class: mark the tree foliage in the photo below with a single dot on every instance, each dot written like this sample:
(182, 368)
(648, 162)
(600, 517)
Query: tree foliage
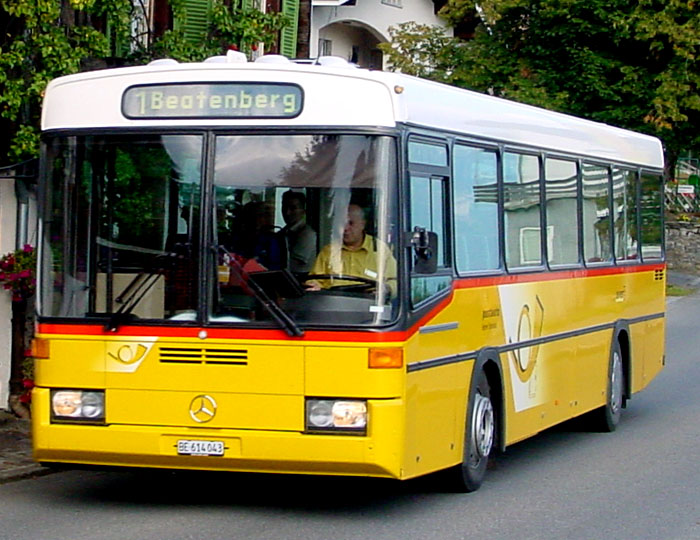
(44, 39)
(629, 63)
(41, 42)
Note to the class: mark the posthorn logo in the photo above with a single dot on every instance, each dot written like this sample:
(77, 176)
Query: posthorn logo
(202, 408)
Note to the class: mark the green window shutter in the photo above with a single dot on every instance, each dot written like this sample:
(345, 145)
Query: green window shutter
(194, 22)
(288, 35)
(247, 4)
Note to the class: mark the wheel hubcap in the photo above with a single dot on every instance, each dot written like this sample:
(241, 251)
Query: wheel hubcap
(616, 384)
(482, 426)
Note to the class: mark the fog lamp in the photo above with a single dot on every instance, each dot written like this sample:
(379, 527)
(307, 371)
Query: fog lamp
(336, 415)
(77, 405)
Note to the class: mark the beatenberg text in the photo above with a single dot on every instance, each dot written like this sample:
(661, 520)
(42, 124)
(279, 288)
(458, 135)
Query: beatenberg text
(213, 100)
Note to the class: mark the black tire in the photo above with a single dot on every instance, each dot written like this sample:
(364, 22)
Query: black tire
(607, 417)
(479, 438)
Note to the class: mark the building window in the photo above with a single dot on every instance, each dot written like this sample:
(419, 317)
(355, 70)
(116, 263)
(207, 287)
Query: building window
(325, 47)
(392, 3)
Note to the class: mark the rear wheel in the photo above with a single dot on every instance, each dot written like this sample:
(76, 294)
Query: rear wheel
(607, 417)
(479, 439)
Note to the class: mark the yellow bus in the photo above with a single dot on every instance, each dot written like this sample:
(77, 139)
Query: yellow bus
(312, 268)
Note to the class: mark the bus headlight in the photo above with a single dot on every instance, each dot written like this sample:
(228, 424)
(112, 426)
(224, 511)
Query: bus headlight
(78, 405)
(336, 415)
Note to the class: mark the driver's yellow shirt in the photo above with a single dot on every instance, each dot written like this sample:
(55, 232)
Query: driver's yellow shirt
(372, 260)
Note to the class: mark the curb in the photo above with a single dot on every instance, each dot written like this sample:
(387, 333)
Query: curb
(23, 471)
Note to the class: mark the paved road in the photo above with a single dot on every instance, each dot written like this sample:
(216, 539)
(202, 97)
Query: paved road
(641, 482)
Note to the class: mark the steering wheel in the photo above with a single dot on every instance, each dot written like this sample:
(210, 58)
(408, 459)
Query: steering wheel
(365, 284)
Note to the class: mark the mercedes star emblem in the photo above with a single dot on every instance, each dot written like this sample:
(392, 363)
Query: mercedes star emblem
(202, 408)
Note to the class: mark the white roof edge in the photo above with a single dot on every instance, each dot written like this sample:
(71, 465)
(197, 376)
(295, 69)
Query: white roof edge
(439, 106)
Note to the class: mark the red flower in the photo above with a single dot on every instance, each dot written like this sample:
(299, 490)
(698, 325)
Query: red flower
(17, 273)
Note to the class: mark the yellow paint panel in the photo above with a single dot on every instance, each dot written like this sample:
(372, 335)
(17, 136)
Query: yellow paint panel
(590, 374)
(211, 367)
(436, 415)
(343, 372)
(74, 363)
(238, 411)
(654, 352)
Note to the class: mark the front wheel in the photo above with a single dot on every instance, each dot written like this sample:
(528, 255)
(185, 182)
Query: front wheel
(479, 439)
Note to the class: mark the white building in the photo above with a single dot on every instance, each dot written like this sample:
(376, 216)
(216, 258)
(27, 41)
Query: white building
(8, 213)
(17, 227)
(352, 29)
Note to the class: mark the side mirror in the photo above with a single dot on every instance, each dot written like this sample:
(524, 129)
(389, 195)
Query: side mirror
(425, 246)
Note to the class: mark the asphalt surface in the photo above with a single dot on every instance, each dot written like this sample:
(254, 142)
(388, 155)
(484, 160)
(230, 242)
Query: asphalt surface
(16, 449)
(16, 460)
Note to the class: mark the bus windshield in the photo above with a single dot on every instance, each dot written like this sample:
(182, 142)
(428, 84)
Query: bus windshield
(220, 229)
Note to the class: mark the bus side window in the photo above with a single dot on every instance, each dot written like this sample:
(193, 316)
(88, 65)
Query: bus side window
(476, 209)
(651, 216)
(597, 234)
(521, 209)
(428, 212)
(561, 200)
(429, 164)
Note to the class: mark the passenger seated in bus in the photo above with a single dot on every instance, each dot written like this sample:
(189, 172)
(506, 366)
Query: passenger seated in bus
(255, 237)
(360, 254)
(300, 238)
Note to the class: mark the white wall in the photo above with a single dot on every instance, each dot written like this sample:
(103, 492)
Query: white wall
(373, 15)
(8, 221)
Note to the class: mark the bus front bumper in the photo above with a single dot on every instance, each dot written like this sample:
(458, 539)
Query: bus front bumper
(375, 454)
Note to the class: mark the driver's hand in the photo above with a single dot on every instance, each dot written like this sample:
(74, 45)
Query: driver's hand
(312, 285)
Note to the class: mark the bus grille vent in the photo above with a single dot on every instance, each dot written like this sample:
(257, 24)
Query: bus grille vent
(658, 275)
(196, 355)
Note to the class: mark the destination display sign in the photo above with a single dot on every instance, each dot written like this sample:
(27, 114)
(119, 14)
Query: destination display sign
(213, 100)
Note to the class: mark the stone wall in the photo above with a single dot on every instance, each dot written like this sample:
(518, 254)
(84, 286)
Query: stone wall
(683, 249)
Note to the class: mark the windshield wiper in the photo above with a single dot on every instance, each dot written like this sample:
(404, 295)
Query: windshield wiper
(281, 316)
(137, 288)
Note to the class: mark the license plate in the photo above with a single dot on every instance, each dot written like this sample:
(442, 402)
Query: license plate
(200, 448)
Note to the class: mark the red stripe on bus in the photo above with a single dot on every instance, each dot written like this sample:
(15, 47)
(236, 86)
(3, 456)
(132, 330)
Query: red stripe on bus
(239, 333)
(218, 333)
(336, 335)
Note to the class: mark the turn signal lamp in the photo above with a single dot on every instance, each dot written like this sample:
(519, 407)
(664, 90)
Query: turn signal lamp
(385, 358)
(40, 348)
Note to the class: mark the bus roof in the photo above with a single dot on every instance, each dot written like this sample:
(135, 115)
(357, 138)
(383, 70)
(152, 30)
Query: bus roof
(341, 95)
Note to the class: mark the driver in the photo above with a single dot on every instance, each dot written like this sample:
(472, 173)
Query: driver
(359, 255)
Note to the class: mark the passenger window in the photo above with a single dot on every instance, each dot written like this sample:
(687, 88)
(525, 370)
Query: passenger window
(521, 191)
(561, 192)
(596, 214)
(625, 214)
(427, 154)
(476, 209)
(651, 209)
